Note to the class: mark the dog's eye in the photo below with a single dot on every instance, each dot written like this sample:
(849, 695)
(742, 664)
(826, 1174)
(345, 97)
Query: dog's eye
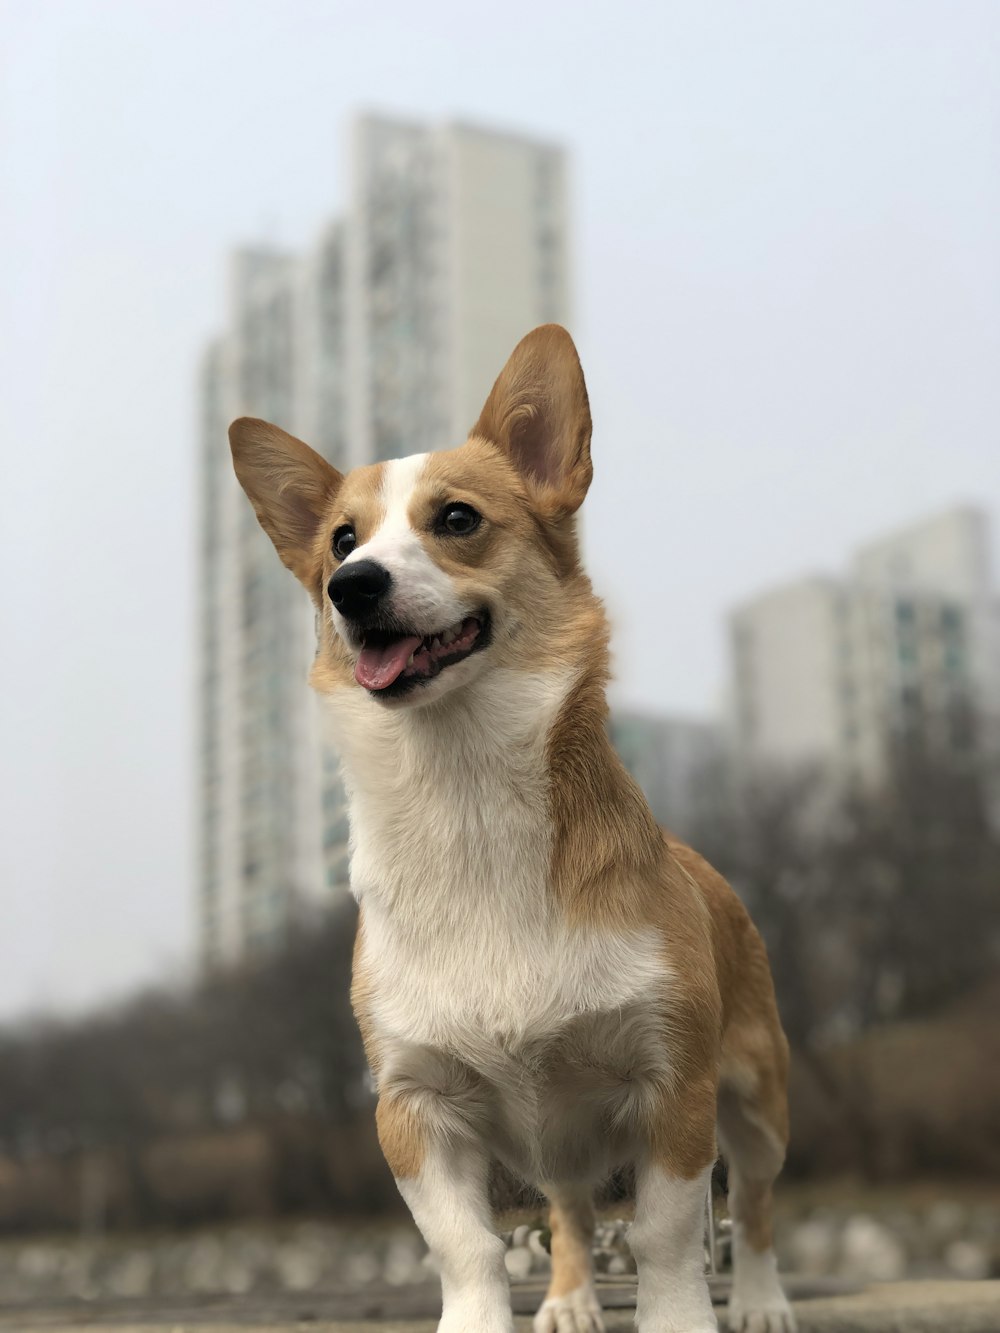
(344, 541)
(458, 519)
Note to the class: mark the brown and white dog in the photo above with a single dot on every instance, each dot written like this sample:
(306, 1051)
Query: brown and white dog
(541, 974)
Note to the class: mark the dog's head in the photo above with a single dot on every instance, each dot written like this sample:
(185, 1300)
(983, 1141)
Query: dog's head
(428, 569)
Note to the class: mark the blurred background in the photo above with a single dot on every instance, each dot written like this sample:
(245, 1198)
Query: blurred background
(772, 231)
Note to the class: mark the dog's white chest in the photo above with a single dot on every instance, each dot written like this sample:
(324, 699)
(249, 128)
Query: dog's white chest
(547, 1030)
(451, 842)
(452, 845)
(545, 1033)
(484, 981)
(469, 961)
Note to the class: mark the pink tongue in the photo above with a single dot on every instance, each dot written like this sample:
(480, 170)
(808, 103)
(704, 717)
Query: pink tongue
(377, 668)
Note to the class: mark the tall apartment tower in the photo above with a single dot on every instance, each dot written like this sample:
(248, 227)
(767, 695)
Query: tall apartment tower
(837, 671)
(457, 246)
(383, 340)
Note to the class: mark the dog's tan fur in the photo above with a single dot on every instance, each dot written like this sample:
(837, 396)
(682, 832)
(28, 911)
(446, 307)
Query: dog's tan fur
(571, 1222)
(611, 870)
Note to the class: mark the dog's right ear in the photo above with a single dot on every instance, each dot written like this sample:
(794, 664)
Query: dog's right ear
(291, 489)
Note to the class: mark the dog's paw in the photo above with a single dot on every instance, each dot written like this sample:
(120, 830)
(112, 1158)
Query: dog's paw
(577, 1312)
(776, 1317)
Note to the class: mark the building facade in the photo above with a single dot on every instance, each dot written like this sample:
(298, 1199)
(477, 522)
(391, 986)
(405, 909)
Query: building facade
(382, 340)
(840, 672)
(457, 245)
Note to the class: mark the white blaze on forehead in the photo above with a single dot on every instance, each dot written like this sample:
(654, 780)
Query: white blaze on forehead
(400, 478)
(422, 595)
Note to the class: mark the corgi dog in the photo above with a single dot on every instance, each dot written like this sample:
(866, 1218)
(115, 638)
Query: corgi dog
(542, 975)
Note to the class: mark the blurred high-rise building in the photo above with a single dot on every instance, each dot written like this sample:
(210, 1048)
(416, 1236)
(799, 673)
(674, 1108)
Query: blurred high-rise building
(457, 246)
(383, 340)
(677, 761)
(903, 651)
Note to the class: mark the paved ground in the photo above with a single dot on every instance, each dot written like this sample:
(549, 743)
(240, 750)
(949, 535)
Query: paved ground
(902, 1307)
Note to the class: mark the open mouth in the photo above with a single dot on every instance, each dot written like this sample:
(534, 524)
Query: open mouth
(393, 661)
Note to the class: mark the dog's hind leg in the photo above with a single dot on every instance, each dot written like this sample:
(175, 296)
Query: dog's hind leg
(753, 1133)
(571, 1304)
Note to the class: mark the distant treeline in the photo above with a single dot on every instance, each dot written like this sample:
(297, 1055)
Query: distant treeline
(881, 914)
(246, 1095)
(249, 1095)
(876, 905)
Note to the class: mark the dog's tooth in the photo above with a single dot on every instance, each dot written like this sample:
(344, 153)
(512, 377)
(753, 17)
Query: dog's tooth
(409, 660)
(436, 641)
(449, 636)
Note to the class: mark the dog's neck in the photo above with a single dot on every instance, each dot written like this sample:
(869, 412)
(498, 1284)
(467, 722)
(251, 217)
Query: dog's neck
(514, 769)
(494, 729)
(449, 802)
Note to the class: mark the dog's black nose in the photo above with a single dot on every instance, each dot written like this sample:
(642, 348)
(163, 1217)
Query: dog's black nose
(357, 588)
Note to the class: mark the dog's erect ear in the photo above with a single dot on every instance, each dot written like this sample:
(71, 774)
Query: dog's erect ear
(290, 487)
(538, 414)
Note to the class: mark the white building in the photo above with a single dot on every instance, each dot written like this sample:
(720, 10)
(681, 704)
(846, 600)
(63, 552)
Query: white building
(457, 247)
(836, 672)
(261, 831)
(383, 340)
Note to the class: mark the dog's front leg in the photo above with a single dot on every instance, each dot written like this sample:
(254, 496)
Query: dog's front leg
(668, 1234)
(443, 1178)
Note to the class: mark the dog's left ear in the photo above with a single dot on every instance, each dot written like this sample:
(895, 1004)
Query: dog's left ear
(539, 416)
(291, 489)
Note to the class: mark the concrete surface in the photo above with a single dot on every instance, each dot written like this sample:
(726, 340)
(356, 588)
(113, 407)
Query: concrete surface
(900, 1307)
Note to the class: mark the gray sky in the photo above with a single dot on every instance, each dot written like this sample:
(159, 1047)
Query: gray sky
(788, 276)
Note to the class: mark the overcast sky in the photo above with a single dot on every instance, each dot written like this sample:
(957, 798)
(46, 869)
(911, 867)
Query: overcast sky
(788, 304)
